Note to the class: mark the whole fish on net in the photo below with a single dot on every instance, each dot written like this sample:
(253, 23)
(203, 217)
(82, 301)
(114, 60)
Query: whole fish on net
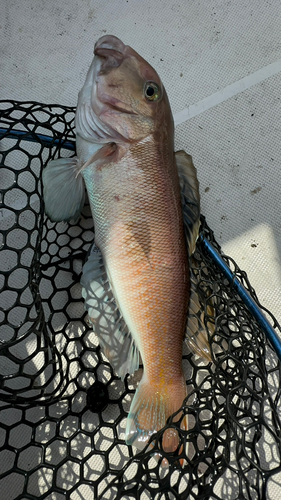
(145, 204)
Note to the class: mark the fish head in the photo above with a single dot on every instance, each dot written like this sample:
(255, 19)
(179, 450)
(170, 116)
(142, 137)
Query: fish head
(124, 98)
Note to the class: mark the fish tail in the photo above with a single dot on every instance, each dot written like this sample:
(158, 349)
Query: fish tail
(150, 409)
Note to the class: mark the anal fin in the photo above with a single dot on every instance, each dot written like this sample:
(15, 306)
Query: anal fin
(115, 339)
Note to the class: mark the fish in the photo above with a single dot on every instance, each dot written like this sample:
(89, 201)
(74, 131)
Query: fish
(145, 204)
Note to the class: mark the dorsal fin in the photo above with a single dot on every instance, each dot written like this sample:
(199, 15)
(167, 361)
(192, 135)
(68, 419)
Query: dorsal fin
(196, 334)
(115, 339)
(190, 198)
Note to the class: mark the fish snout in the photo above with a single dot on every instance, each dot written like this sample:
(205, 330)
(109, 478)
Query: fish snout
(110, 49)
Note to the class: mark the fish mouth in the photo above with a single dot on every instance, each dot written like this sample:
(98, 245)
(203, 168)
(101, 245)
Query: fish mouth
(110, 50)
(116, 105)
(110, 53)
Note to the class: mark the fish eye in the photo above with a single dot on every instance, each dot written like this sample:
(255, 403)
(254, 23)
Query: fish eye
(151, 91)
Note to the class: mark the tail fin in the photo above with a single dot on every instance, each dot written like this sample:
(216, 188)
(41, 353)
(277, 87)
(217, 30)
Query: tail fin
(150, 409)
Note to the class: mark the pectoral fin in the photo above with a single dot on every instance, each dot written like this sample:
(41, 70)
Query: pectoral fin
(64, 188)
(64, 191)
(115, 339)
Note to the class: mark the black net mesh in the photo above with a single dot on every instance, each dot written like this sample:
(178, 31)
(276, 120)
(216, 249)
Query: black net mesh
(62, 409)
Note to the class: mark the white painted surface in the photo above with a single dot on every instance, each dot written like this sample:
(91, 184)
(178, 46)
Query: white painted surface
(220, 63)
(228, 92)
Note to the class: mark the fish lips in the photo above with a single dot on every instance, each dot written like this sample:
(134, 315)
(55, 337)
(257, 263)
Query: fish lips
(111, 52)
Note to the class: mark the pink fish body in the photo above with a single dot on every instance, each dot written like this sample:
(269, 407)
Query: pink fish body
(125, 151)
